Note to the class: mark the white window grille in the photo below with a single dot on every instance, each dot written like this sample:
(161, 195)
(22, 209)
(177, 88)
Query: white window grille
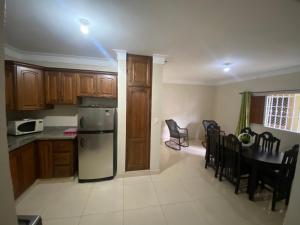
(282, 111)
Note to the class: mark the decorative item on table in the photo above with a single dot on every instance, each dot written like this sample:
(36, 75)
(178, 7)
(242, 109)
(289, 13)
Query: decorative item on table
(246, 139)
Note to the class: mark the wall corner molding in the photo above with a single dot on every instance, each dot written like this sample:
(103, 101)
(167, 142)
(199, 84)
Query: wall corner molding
(121, 54)
(21, 55)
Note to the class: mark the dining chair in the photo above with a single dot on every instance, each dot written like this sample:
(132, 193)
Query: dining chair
(214, 146)
(248, 130)
(231, 164)
(179, 137)
(281, 180)
(267, 142)
(207, 123)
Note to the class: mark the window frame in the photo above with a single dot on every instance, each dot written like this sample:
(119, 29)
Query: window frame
(289, 117)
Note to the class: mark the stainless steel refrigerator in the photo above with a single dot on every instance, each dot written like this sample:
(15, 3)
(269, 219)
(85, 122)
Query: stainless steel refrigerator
(96, 143)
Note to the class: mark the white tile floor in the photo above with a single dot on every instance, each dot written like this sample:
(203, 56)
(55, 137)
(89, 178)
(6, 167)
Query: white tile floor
(184, 193)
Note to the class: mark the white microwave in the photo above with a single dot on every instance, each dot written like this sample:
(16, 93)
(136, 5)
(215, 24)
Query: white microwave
(26, 126)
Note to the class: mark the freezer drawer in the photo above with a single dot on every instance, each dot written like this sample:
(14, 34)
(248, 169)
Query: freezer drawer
(95, 119)
(95, 156)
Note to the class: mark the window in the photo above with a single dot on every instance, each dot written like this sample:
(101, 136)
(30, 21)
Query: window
(282, 111)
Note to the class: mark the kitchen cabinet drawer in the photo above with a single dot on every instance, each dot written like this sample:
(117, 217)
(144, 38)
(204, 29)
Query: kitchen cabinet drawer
(63, 146)
(62, 158)
(63, 171)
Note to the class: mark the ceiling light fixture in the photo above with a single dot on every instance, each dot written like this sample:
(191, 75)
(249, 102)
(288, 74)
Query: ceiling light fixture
(227, 67)
(84, 26)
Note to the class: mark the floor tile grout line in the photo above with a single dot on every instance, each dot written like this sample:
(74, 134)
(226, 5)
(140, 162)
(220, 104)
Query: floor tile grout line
(86, 203)
(160, 205)
(48, 205)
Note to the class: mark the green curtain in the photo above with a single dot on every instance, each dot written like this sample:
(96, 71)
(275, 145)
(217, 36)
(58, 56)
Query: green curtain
(244, 112)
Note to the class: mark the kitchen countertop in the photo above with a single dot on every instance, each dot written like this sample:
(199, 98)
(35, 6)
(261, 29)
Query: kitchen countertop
(49, 133)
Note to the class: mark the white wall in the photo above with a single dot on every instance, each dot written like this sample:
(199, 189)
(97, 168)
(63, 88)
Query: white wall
(7, 206)
(227, 104)
(188, 105)
(156, 105)
(122, 93)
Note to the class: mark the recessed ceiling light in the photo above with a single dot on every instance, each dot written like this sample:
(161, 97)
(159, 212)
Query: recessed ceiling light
(84, 26)
(227, 67)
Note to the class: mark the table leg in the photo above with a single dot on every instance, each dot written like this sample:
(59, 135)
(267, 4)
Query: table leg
(252, 181)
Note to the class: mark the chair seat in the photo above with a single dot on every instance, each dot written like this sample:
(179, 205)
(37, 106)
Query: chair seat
(269, 176)
(180, 135)
(245, 169)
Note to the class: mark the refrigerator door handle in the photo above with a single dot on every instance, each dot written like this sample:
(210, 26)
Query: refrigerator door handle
(82, 141)
(81, 122)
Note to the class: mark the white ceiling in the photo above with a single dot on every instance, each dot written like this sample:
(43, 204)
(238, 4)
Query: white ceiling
(257, 36)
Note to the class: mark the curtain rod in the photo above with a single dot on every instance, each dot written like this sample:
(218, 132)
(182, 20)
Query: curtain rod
(275, 91)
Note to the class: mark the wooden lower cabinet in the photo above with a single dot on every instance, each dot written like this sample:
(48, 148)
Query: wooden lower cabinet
(29, 170)
(45, 156)
(41, 159)
(23, 168)
(56, 158)
(63, 153)
(16, 172)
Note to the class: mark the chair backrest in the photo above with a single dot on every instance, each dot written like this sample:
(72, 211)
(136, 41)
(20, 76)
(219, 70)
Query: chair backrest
(206, 123)
(288, 166)
(214, 144)
(213, 134)
(173, 128)
(231, 157)
(268, 142)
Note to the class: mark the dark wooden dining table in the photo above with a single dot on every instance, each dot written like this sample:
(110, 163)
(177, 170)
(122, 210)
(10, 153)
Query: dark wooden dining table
(258, 159)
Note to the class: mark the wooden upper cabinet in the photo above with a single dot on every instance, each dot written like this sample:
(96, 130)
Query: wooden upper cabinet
(139, 70)
(107, 86)
(9, 87)
(29, 88)
(52, 86)
(68, 88)
(86, 84)
(60, 87)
